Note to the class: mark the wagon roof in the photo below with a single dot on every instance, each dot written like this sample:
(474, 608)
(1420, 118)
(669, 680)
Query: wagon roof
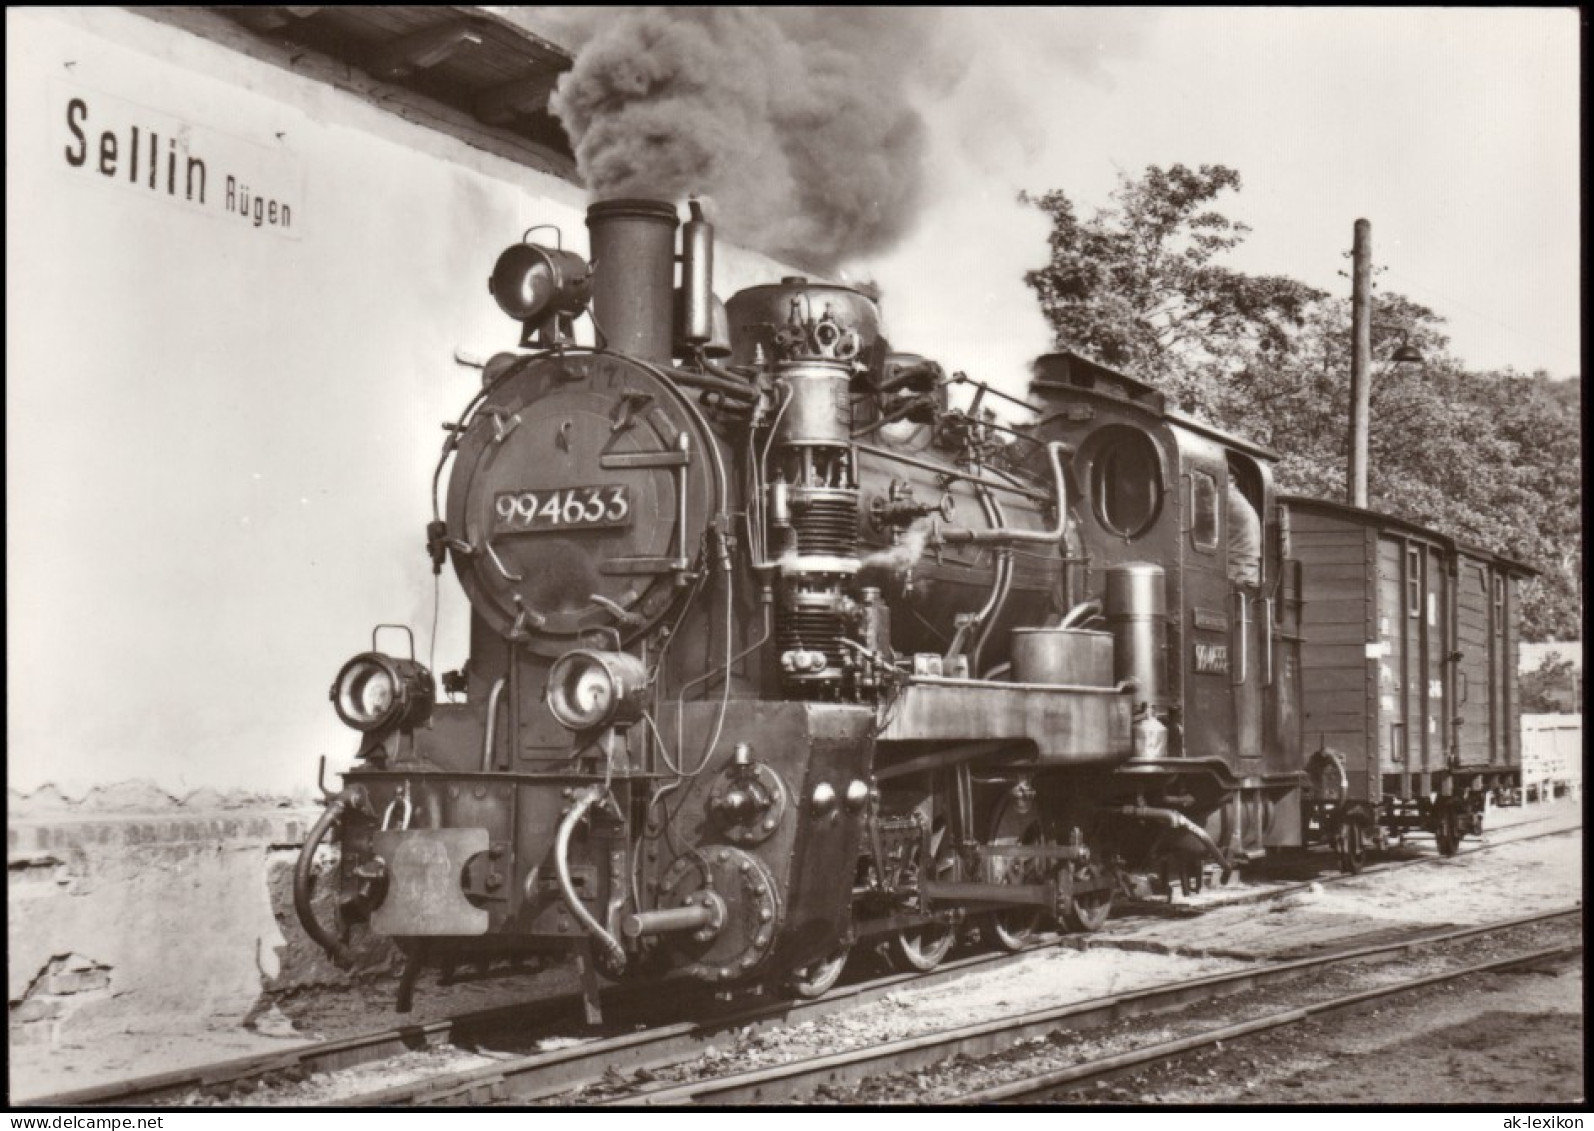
(1367, 517)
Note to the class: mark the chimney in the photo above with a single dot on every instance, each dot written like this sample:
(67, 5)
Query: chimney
(633, 275)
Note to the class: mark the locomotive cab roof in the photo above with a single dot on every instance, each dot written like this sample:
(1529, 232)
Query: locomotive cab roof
(1072, 374)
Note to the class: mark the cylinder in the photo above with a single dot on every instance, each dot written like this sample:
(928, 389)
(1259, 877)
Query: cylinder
(819, 411)
(633, 275)
(1062, 656)
(1137, 618)
(697, 279)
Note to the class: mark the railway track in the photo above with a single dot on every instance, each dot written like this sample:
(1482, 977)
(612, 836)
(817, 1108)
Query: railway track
(1043, 1084)
(1378, 869)
(799, 1079)
(568, 1068)
(556, 1018)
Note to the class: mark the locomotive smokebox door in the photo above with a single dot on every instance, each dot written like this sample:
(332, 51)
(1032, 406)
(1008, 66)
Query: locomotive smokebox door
(579, 500)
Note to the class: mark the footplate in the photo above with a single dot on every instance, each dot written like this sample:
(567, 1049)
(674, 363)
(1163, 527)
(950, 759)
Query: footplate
(424, 896)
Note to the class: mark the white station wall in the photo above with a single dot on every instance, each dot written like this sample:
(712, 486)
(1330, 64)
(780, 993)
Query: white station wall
(222, 420)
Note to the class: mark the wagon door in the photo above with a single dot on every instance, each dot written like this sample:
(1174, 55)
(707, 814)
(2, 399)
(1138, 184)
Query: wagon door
(1394, 659)
(1471, 717)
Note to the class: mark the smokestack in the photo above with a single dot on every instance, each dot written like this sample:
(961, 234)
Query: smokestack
(633, 275)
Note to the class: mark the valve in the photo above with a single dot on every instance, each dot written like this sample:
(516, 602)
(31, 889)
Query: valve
(748, 801)
(898, 508)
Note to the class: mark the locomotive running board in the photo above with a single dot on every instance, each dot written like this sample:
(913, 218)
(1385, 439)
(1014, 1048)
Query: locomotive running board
(1070, 725)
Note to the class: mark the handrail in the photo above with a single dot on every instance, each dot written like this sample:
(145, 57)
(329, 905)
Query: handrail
(1007, 535)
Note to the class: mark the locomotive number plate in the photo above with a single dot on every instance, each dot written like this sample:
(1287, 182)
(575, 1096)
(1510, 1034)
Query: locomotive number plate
(1212, 659)
(521, 512)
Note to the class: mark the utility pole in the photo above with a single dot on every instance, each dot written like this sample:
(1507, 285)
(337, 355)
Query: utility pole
(1361, 360)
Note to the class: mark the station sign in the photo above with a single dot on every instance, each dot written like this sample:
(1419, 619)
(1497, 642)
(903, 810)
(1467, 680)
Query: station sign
(120, 145)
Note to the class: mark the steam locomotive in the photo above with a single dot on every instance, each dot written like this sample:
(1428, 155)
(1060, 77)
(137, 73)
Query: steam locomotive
(776, 654)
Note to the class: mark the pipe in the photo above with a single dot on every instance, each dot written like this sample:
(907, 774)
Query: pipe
(489, 740)
(303, 873)
(585, 799)
(1054, 451)
(1081, 613)
(739, 390)
(1003, 583)
(1177, 820)
(952, 472)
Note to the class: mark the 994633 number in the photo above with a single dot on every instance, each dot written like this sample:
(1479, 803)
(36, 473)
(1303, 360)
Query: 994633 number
(607, 505)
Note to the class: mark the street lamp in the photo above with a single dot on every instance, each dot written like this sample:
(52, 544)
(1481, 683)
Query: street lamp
(1361, 360)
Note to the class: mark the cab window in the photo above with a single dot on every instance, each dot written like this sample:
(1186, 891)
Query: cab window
(1126, 482)
(1203, 511)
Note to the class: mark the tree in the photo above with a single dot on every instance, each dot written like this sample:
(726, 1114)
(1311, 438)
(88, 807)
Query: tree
(1551, 687)
(1136, 286)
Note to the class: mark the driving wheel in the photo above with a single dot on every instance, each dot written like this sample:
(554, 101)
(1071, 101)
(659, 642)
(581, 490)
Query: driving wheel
(819, 978)
(1016, 823)
(922, 948)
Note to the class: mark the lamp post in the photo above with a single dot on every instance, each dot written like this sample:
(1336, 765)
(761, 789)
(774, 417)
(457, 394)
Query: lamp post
(1361, 360)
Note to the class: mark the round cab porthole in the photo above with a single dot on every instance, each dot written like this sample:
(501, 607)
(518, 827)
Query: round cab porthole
(1126, 482)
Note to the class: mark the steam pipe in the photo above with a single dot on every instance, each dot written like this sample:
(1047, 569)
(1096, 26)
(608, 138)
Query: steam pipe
(1005, 536)
(741, 390)
(489, 740)
(1177, 820)
(1003, 583)
(585, 800)
(303, 872)
(951, 472)
(1081, 613)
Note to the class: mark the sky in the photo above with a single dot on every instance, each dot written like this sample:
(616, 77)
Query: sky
(1455, 133)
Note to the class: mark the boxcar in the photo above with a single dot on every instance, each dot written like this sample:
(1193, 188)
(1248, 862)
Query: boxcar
(1408, 669)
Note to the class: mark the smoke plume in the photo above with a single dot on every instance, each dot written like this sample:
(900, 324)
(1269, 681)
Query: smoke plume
(799, 122)
(880, 144)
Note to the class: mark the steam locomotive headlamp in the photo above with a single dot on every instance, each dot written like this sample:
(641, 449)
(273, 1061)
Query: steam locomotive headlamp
(588, 689)
(377, 692)
(542, 288)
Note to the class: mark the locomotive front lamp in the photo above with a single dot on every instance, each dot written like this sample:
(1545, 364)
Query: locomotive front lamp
(542, 288)
(376, 692)
(588, 689)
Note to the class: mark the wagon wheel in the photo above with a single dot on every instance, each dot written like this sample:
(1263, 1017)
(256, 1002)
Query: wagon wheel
(1015, 823)
(922, 948)
(1350, 846)
(1446, 833)
(816, 980)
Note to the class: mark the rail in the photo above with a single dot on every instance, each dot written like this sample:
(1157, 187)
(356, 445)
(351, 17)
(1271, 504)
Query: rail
(795, 1080)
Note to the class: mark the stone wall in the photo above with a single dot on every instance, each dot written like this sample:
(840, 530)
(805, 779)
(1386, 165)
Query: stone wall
(183, 912)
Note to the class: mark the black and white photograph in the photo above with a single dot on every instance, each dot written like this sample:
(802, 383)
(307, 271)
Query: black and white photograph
(576, 558)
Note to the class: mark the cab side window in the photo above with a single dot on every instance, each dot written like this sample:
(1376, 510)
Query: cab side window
(1203, 511)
